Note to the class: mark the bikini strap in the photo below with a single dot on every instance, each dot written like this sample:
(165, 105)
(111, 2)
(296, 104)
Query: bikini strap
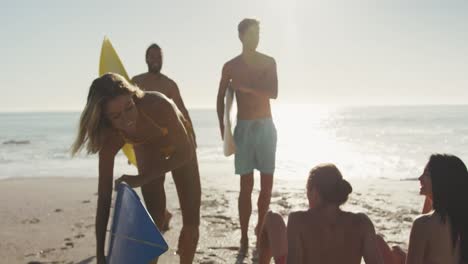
(164, 131)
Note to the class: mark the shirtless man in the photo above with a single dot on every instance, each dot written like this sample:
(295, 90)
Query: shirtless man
(154, 80)
(252, 75)
(323, 234)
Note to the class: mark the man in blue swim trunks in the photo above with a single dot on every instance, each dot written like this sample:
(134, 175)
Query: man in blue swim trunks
(252, 75)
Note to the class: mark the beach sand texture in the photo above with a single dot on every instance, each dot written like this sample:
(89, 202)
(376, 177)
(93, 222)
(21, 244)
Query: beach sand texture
(51, 220)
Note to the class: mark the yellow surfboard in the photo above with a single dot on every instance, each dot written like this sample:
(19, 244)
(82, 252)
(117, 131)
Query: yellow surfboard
(110, 62)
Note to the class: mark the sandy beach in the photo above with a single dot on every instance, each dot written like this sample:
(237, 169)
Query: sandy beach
(51, 220)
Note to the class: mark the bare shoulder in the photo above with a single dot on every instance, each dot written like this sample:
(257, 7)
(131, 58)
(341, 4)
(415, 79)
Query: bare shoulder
(297, 217)
(231, 64)
(171, 83)
(154, 99)
(425, 220)
(265, 59)
(139, 78)
(233, 61)
(360, 219)
(298, 213)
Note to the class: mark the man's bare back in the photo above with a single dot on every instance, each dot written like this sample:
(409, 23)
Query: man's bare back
(313, 238)
(255, 82)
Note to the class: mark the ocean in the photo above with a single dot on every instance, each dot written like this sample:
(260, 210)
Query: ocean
(392, 142)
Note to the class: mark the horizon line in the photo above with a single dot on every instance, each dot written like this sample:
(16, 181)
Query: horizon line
(74, 110)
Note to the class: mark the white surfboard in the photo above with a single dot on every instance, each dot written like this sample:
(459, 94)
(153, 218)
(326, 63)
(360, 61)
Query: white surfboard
(229, 147)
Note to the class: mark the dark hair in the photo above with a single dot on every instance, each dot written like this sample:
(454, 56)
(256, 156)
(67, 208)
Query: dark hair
(152, 46)
(449, 178)
(245, 24)
(329, 182)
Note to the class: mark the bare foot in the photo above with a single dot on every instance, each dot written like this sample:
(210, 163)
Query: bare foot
(167, 219)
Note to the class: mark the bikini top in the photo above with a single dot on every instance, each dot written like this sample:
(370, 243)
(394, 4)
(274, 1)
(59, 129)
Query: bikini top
(164, 131)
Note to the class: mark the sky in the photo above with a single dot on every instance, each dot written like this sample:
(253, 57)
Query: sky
(361, 52)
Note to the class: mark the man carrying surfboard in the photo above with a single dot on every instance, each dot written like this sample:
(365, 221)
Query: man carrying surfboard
(118, 112)
(252, 75)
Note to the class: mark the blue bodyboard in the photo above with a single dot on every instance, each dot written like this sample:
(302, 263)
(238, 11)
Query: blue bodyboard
(134, 236)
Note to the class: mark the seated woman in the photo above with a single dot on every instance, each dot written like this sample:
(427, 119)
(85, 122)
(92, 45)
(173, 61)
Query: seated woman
(440, 236)
(118, 112)
(323, 234)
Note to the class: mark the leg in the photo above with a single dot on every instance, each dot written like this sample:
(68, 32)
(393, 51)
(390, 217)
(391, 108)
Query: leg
(244, 160)
(187, 181)
(245, 208)
(273, 240)
(264, 198)
(155, 200)
(265, 154)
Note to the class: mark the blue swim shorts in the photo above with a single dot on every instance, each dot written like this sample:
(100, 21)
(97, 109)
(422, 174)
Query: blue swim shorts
(255, 146)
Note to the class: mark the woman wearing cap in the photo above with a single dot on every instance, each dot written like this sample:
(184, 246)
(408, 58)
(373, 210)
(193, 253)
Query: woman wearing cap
(324, 233)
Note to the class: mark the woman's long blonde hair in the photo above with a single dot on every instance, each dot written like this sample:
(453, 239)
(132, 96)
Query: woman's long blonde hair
(93, 124)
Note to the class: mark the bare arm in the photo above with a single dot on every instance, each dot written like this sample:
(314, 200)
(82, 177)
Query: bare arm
(295, 254)
(152, 162)
(371, 252)
(106, 168)
(180, 104)
(417, 243)
(223, 85)
(177, 98)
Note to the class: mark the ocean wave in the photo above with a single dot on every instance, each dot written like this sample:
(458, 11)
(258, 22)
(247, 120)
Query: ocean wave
(16, 142)
(409, 179)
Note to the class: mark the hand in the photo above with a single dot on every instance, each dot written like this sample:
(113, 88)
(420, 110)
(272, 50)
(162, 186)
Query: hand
(236, 85)
(399, 255)
(124, 178)
(244, 89)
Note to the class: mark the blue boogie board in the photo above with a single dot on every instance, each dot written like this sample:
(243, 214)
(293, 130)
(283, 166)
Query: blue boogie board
(134, 236)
